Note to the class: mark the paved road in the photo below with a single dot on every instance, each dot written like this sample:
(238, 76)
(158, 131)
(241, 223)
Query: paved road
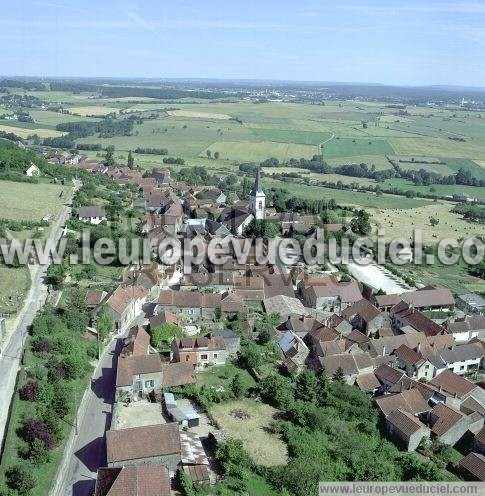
(12, 353)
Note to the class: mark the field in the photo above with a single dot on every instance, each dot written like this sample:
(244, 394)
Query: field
(400, 223)
(13, 281)
(25, 132)
(197, 115)
(92, 110)
(30, 202)
(346, 147)
(249, 420)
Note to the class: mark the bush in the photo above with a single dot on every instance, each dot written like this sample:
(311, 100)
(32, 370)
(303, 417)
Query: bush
(29, 391)
(21, 479)
(36, 429)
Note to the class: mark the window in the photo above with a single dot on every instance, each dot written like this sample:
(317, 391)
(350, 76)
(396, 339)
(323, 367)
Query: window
(203, 357)
(260, 206)
(149, 384)
(462, 367)
(187, 358)
(215, 355)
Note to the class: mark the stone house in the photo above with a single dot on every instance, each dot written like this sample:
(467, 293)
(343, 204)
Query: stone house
(365, 317)
(447, 424)
(93, 215)
(408, 429)
(465, 329)
(191, 304)
(294, 350)
(124, 304)
(149, 445)
(461, 359)
(201, 352)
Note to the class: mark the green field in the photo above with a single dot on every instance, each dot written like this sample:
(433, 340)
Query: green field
(13, 281)
(292, 136)
(30, 202)
(347, 147)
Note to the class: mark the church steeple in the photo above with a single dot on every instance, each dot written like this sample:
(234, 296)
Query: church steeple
(257, 198)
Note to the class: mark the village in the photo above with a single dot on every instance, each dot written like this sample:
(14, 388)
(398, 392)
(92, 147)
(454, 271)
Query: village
(418, 353)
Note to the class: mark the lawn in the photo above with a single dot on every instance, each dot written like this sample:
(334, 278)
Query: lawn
(223, 375)
(249, 421)
(30, 202)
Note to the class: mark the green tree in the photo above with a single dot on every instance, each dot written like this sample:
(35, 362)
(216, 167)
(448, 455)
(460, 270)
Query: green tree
(237, 386)
(162, 335)
(131, 161)
(339, 375)
(185, 483)
(109, 158)
(104, 323)
(322, 386)
(208, 153)
(306, 386)
(37, 452)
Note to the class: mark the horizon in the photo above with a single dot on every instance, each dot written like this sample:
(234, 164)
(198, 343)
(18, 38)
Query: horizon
(417, 44)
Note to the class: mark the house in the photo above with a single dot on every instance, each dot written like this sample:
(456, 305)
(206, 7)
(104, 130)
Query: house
(185, 417)
(32, 170)
(201, 351)
(137, 376)
(124, 304)
(457, 389)
(133, 480)
(465, 329)
(447, 424)
(295, 351)
(351, 365)
(471, 303)
(365, 317)
(93, 215)
(192, 304)
(284, 306)
(94, 297)
(460, 359)
(327, 294)
(406, 318)
(408, 429)
(231, 340)
(163, 318)
(409, 400)
(149, 445)
(427, 298)
(236, 219)
(474, 464)
(479, 441)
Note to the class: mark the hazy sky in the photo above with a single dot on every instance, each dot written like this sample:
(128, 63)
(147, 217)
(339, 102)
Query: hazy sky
(398, 42)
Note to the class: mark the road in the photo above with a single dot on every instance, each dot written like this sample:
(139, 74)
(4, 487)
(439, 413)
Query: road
(12, 353)
(86, 451)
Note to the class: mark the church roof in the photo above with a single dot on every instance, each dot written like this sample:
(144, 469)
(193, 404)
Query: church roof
(257, 188)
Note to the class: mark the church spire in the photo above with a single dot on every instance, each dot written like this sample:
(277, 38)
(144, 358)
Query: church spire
(257, 188)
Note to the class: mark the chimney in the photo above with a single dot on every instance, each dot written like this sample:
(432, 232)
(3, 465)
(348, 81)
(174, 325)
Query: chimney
(383, 351)
(418, 348)
(440, 388)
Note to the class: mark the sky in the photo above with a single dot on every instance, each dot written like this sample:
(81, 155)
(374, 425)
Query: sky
(405, 42)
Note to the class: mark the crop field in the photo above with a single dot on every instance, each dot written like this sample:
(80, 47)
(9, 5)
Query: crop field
(94, 110)
(346, 147)
(249, 421)
(197, 115)
(257, 151)
(25, 132)
(26, 201)
(292, 136)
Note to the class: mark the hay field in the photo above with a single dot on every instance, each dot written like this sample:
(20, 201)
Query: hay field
(197, 115)
(251, 428)
(26, 132)
(26, 201)
(92, 110)
(400, 222)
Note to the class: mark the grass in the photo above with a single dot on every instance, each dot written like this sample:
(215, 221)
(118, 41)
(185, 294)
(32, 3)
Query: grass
(346, 197)
(292, 136)
(262, 446)
(25, 132)
(223, 375)
(197, 115)
(92, 110)
(13, 281)
(245, 151)
(30, 202)
(347, 147)
(400, 223)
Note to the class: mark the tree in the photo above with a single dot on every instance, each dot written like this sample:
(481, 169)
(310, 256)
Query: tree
(434, 221)
(37, 452)
(162, 335)
(306, 386)
(130, 162)
(266, 333)
(237, 386)
(360, 224)
(216, 155)
(208, 153)
(104, 323)
(29, 391)
(339, 375)
(249, 356)
(185, 483)
(109, 159)
(21, 479)
(276, 390)
(36, 429)
(322, 386)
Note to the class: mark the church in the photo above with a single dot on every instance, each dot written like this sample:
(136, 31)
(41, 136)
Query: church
(238, 218)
